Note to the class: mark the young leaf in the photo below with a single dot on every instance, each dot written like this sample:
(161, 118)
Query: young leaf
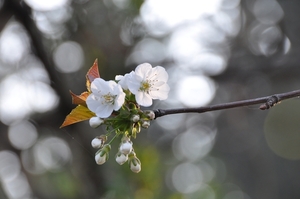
(92, 74)
(78, 114)
(79, 99)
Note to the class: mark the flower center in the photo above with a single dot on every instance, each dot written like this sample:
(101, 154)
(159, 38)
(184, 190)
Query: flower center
(109, 98)
(145, 86)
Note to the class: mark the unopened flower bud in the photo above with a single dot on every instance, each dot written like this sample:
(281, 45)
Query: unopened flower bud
(126, 147)
(135, 164)
(135, 118)
(100, 159)
(150, 114)
(95, 122)
(146, 124)
(102, 155)
(96, 143)
(121, 158)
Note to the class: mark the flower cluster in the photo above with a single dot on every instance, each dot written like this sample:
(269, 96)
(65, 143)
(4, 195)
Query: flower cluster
(116, 104)
(146, 83)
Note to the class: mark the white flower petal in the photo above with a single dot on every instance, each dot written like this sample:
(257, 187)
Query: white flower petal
(104, 111)
(92, 102)
(161, 73)
(161, 93)
(124, 80)
(134, 83)
(143, 99)
(113, 86)
(99, 86)
(119, 77)
(119, 101)
(158, 84)
(143, 69)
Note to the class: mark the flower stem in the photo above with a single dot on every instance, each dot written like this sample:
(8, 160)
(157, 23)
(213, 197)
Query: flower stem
(112, 139)
(266, 103)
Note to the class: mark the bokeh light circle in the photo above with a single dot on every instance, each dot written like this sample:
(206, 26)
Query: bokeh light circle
(46, 5)
(194, 91)
(22, 135)
(9, 165)
(68, 57)
(209, 63)
(52, 153)
(193, 144)
(187, 178)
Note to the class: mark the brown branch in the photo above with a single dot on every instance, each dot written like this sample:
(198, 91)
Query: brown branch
(265, 103)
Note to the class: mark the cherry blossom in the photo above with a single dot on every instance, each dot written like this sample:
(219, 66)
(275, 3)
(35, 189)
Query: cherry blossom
(117, 105)
(122, 80)
(147, 83)
(106, 97)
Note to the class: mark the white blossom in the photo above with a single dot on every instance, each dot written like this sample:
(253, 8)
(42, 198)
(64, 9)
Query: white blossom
(148, 83)
(106, 96)
(123, 80)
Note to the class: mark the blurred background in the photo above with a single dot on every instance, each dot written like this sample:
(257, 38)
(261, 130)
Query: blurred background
(214, 51)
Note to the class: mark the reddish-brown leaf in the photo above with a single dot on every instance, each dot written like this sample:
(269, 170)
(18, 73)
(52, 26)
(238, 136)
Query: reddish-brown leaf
(78, 114)
(92, 74)
(79, 99)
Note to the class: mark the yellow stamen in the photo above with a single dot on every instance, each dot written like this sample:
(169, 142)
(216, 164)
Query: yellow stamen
(145, 86)
(109, 98)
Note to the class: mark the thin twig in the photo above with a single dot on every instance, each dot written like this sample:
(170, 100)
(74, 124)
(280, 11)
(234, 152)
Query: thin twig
(265, 103)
